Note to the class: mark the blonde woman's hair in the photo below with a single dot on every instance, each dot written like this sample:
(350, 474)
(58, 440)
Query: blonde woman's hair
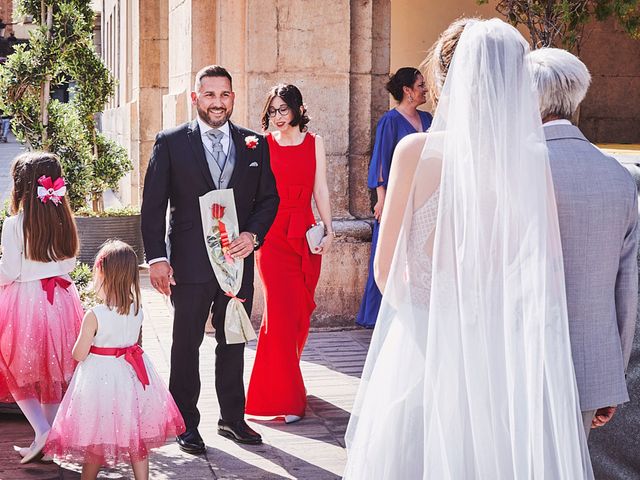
(118, 266)
(436, 64)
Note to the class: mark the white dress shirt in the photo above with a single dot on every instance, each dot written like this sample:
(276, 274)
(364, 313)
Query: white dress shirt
(560, 121)
(16, 267)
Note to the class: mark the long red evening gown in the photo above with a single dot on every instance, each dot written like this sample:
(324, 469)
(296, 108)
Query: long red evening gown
(289, 274)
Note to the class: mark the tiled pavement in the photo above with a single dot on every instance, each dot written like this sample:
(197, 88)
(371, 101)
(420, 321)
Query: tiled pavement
(311, 449)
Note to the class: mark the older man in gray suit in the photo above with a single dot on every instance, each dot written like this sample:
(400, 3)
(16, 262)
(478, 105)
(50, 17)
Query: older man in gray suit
(598, 215)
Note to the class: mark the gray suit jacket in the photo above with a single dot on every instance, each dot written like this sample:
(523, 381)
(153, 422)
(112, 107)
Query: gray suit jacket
(598, 214)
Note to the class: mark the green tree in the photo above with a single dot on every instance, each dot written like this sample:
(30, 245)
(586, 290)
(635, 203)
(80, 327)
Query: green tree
(59, 50)
(561, 22)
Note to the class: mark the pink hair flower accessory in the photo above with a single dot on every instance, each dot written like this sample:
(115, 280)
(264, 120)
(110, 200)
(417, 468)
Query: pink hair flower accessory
(52, 190)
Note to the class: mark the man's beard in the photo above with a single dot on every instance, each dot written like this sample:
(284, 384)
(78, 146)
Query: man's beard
(204, 116)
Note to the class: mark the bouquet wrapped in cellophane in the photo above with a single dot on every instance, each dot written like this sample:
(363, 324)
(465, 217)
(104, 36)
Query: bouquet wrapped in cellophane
(220, 228)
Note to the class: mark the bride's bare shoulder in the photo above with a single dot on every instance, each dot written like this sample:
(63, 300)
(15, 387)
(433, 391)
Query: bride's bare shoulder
(412, 145)
(410, 149)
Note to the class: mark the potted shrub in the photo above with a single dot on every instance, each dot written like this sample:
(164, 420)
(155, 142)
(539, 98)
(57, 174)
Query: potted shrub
(61, 50)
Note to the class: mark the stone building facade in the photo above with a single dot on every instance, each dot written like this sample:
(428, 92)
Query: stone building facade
(338, 52)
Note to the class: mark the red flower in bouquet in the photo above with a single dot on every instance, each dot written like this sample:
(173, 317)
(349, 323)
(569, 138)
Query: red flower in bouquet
(217, 211)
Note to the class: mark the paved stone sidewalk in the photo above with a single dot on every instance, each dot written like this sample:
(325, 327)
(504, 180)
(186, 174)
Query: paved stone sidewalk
(312, 449)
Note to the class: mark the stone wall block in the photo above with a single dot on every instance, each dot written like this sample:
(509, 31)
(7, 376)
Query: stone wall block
(342, 281)
(153, 55)
(232, 31)
(145, 151)
(608, 50)
(175, 109)
(262, 35)
(612, 130)
(312, 38)
(359, 197)
(180, 33)
(338, 182)
(326, 97)
(150, 115)
(361, 132)
(611, 111)
(361, 37)
(381, 36)
(204, 38)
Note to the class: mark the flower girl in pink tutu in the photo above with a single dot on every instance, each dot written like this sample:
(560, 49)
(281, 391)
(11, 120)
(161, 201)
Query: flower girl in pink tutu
(40, 312)
(117, 407)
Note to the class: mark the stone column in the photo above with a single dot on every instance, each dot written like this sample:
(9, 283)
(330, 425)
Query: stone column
(138, 50)
(191, 45)
(152, 81)
(370, 39)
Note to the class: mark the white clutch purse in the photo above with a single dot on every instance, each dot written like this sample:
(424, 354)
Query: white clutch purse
(315, 234)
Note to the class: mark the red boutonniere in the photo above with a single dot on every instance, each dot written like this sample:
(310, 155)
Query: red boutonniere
(251, 142)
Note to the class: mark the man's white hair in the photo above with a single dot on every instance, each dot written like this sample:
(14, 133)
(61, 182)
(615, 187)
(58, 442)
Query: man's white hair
(562, 81)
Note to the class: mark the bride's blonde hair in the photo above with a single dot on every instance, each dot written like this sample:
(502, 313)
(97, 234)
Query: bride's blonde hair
(436, 64)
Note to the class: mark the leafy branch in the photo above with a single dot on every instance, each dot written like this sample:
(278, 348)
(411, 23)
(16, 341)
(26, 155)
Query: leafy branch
(562, 22)
(61, 49)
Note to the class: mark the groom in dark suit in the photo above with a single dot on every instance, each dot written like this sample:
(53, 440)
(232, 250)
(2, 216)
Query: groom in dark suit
(187, 162)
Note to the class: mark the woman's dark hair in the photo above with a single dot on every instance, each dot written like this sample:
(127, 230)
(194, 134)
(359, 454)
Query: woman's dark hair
(49, 230)
(404, 77)
(293, 98)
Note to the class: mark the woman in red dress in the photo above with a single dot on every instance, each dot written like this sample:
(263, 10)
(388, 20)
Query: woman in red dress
(288, 269)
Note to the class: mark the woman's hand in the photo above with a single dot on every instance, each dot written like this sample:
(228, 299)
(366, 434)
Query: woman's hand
(377, 208)
(325, 244)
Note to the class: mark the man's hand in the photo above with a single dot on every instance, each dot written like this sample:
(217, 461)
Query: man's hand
(242, 246)
(602, 416)
(161, 275)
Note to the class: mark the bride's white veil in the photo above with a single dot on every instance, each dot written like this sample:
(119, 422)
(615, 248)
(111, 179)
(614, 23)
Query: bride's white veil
(476, 380)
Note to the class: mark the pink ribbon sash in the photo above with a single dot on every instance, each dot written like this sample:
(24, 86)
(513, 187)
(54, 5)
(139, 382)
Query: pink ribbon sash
(49, 286)
(132, 355)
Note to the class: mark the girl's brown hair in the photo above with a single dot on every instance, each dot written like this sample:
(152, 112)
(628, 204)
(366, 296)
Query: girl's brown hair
(436, 65)
(118, 266)
(49, 230)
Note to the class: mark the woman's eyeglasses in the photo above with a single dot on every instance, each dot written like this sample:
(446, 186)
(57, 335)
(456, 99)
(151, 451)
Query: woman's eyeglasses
(283, 110)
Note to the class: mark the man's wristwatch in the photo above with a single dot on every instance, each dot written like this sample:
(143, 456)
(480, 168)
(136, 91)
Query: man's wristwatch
(256, 243)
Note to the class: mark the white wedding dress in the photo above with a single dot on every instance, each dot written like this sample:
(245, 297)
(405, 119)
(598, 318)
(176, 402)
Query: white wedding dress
(469, 374)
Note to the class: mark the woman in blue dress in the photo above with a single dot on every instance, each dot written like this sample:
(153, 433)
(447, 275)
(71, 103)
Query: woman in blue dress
(407, 87)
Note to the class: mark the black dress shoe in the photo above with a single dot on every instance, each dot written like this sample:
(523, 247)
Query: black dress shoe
(191, 441)
(239, 432)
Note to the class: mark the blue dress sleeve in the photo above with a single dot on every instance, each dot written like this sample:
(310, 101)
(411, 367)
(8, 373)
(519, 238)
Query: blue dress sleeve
(426, 118)
(385, 144)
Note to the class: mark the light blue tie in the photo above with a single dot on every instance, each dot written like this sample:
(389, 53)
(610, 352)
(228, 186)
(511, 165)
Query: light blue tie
(216, 142)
